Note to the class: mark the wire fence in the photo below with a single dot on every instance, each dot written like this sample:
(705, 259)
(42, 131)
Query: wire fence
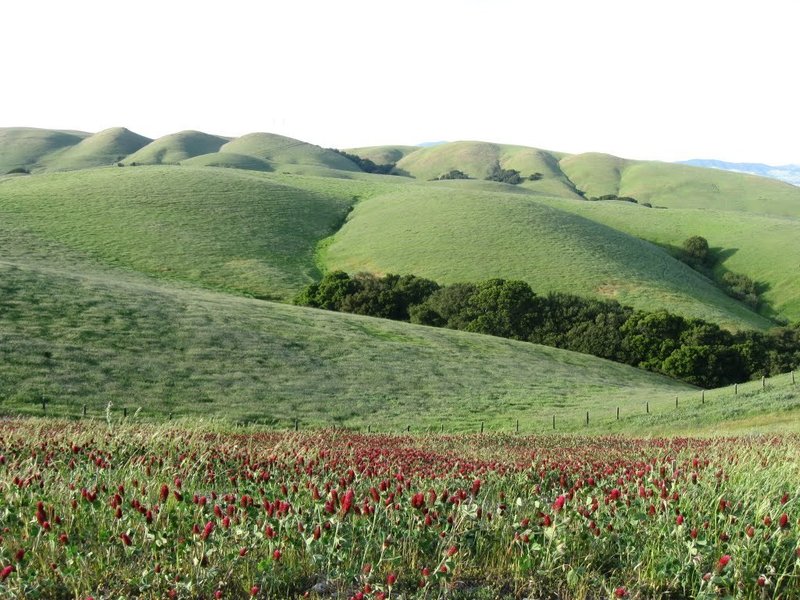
(546, 418)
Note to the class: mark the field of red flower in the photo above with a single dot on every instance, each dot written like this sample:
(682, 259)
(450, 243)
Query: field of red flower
(93, 511)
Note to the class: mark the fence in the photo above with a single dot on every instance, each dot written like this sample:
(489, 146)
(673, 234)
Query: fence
(546, 419)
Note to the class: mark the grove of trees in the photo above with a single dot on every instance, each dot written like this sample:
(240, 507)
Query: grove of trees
(693, 350)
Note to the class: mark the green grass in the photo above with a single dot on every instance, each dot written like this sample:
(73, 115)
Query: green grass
(219, 228)
(681, 186)
(25, 147)
(105, 148)
(280, 149)
(177, 147)
(229, 160)
(763, 247)
(382, 155)
(476, 159)
(80, 334)
(747, 410)
(454, 233)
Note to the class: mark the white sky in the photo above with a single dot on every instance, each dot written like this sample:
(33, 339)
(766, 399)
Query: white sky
(649, 79)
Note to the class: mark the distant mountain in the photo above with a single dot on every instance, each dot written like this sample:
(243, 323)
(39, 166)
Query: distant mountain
(789, 173)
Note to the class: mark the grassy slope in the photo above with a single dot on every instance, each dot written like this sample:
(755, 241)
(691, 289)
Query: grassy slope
(476, 159)
(382, 155)
(681, 186)
(26, 146)
(229, 160)
(173, 148)
(96, 336)
(454, 233)
(761, 246)
(221, 228)
(280, 149)
(100, 149)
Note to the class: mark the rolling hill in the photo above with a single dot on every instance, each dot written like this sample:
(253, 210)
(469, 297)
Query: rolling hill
(176, 147)
(156, 282)
(97, 335)
(102, 149)
(452, 233)
(681, 186)
(763, 247)
(25, 147)
(284, 150)
(221, 228)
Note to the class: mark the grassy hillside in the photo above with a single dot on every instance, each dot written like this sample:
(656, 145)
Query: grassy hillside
(454, 234)
(382, 155)
(220, 228)
(476, 159)
(681, 186)
(25, 147)
(176, 147)
(105, 148)
(229, 160)
(96, 336)
(762, 247)
(280, 149)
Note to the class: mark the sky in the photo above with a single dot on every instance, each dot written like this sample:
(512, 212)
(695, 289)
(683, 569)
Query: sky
(644, 79)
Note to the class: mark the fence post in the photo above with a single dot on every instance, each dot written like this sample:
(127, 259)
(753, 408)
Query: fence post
(735, 389)
(618, 413)
(587, 418)
(408, 429)
(44, 405)
(481, 426)
(517, 425)
(296, 425)
(124, 412)
(554, 421)
(676, 402)
(369, 428)
(703, 397)
(763, 382)
(647, 407)
(170, 416)
(442, 430)
(792, 377)
(84, 410)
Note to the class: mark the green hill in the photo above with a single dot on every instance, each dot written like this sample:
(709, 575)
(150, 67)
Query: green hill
(681, 186)
(97, 336)
(221, 228)
(176, 147)
(280, 149)
(105, 148)
(452, 234)
(25, 147)
(763, 247)
(229, 160)
(382, 155)
(476, 159)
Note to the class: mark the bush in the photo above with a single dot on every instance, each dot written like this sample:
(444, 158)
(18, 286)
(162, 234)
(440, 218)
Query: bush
(19, 171)
(454, 174)
(511, 176)
(696, 249)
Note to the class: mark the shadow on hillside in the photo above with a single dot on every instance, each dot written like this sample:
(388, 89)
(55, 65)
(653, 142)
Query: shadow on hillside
(716, 273)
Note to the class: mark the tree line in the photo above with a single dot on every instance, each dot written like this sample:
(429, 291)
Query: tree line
(693, 350)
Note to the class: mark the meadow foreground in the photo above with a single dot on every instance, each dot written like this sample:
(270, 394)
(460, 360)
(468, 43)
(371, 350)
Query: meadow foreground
(103, 510)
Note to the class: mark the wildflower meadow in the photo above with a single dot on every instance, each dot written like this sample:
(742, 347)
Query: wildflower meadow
(92, 509)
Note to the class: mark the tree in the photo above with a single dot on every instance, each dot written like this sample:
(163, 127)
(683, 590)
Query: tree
(696, 250)
(330, 293)
(511, 176)
(505, 308)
